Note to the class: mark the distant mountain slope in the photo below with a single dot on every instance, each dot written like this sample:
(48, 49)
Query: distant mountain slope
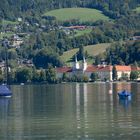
(14, 8)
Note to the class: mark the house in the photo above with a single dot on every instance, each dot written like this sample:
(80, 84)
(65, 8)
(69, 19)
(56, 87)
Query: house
(136, 38)
(3, 67)
(125, 70)
(16, 41)
(103, 71)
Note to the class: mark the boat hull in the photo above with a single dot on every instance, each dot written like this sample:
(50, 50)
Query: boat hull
(5, 91)
(124, 95)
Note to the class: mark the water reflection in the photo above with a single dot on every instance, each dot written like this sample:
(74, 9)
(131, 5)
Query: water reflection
(4, 107)
(125, 102)
(71, 111)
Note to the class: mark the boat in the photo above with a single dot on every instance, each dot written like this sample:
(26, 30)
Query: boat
(124, 94)
(5, 91)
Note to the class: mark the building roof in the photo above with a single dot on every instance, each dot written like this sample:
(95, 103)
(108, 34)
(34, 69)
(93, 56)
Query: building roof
(75, 27)
(100, 68)
(63, 69)
(123, 68)
(104, 68)
(134, 68)
(91, 68)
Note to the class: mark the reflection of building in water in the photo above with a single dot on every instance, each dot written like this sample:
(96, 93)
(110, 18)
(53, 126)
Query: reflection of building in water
(82, 123)
(122, 86)
(110, 88)
(78, 106)
(85, 109)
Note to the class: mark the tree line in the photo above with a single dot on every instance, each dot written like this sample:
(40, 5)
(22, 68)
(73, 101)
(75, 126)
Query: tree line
(122, 54)
(14, 8)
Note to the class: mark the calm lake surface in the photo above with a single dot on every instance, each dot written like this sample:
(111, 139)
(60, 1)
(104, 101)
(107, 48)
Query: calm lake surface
(74, 111)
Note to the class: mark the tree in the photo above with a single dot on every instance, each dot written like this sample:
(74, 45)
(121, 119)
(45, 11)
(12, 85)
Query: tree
(51, 75)
(124, 76)
(85, 78)
(43, 58)
(114, 73)
(42, 76)
(35, 75)
(65, 77)
(94, 76)
(80, 53)
(134, 75)
(23, 75)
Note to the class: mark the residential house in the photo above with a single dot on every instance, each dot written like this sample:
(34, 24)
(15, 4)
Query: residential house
(16, 41)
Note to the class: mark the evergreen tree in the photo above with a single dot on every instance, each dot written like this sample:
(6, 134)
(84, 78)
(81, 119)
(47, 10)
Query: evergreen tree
(114, 73)
(80, 53)
(94, 77)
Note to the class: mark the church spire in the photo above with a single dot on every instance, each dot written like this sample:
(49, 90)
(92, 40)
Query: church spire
(76, 63)
(75, 58)
(84, 64)
(84, 60)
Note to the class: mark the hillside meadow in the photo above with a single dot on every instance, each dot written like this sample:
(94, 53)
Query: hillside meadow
(92, 50)
(81, 14)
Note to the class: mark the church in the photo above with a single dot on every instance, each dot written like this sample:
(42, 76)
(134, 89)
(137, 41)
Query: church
(103, 71)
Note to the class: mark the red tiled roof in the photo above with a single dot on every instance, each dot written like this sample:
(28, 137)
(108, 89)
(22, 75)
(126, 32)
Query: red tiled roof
(101, 68)
(105, 68)
(92, 68)
(123, 68)
(64, 69)
(76, 27)
(134, 68)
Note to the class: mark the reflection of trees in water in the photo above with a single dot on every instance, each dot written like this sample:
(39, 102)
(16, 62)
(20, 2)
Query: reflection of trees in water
(4, 103)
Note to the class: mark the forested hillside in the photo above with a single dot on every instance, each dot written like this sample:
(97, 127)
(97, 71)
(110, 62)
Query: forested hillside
(114, 8)
(46, 29)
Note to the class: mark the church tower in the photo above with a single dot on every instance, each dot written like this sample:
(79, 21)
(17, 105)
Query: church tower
(76, 64)
(84, 64)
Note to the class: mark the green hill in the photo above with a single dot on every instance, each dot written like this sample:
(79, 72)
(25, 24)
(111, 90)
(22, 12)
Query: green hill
(82, 14)
(92, 50)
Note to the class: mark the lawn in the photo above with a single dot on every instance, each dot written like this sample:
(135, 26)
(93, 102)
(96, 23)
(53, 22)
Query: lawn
(6, 22)
(137, 10)
(6, 35)
(82, 14)
(92, 50)
(82, 32)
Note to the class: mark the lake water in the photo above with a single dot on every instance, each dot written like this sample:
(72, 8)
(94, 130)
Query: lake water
(74, 111)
